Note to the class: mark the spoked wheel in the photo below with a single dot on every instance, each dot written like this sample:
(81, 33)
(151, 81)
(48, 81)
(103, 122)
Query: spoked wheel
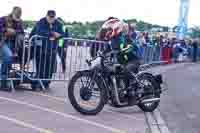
(151, 96)
(85, 95)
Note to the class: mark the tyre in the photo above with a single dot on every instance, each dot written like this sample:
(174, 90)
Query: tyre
(88, 90)
(151, 90)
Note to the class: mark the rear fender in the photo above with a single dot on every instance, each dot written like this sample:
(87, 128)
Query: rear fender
(157, 80)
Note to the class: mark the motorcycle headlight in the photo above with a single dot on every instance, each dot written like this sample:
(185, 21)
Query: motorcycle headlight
(96, 62)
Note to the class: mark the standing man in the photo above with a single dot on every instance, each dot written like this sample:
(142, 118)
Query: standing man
(10, 28)
(51, 29)
(195, 49)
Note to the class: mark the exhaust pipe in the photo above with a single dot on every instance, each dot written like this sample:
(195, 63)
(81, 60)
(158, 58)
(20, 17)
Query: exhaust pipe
(150, 100)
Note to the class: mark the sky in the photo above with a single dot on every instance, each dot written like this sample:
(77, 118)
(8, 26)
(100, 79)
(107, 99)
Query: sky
(162, 12)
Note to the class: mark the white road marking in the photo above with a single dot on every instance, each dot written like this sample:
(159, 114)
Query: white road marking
(26, 125)
(163, 127)
(64, 101)
(114, 130)
(151, 123)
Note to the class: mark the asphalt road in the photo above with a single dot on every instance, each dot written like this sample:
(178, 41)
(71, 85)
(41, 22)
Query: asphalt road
(180, 104)
(45, 111)
(50, 112)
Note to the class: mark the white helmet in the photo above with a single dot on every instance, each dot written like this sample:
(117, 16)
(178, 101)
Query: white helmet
(115, 26)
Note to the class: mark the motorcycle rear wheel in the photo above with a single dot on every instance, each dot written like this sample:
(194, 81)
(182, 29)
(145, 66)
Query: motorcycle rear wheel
(151, 106)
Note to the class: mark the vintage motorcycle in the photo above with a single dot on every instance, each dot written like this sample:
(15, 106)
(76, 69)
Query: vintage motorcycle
(108, 82)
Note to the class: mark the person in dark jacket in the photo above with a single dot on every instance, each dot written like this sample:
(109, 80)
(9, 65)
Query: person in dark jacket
(51, 31)
(195, 50)
(10, 28)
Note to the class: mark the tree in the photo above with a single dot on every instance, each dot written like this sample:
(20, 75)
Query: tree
(195, 32)
(165, 29)
(29, 23)
(141, 26)
(89, 29)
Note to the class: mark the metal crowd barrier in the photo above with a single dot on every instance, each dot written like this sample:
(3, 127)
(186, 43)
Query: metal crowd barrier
(11, 67)
(40, 61)
(45, 61)
(194, 54)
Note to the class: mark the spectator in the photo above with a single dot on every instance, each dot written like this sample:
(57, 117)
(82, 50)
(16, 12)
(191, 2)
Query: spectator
(147, 39)
(132, 32)
(142, 40)
(157, 52)
(195, 48)
(154, 41)
(10, 28)
(130, 39)
(176, 50)
(141, 43)
(180, 50)
(161, 41)
(50, 28)
(189, 48)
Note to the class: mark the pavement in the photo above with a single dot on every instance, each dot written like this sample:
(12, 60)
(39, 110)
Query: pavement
(180, 105)
(26, 111)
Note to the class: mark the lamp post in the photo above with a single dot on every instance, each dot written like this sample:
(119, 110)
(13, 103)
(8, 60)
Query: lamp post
(183, 19)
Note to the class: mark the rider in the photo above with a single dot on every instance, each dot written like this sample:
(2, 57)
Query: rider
(116, 31)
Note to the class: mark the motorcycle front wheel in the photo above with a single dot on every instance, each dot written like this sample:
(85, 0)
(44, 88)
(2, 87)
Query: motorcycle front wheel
(85, 93)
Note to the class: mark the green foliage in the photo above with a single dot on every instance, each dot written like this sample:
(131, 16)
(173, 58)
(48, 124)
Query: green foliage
(29, 23)
(195, 32)
(89, 29)
(165, 29)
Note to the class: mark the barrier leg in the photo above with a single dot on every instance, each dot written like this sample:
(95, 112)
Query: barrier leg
(42, 85)
(12, 87)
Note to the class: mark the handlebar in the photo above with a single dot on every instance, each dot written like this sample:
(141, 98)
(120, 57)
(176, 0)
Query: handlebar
(113, 53)
(99, 54)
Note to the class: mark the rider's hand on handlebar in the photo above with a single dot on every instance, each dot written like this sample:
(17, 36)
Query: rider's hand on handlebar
(127, 48)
